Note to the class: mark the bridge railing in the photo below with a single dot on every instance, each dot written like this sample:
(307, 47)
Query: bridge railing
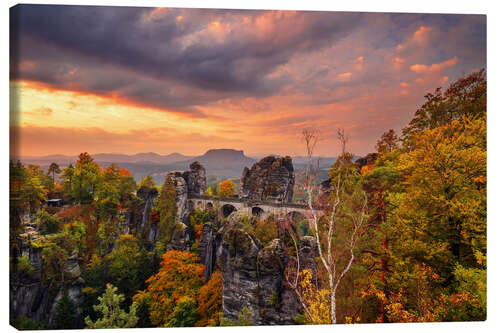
(252, 202)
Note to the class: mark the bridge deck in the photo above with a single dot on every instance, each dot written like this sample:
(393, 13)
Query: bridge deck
(251, 202)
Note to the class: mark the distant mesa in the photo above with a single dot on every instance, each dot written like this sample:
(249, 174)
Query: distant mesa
(222, 163)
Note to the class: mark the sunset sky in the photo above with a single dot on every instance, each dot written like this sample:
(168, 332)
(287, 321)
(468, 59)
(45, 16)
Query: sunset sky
(130, 79)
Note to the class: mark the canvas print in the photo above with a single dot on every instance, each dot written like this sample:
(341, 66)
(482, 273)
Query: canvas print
(175, 167)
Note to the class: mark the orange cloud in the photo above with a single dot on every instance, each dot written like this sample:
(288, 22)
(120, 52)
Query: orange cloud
(421, 33)
(157, 14)
(344, 76)
(424, 69)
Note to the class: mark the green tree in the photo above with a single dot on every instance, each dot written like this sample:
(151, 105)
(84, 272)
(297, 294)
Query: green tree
(445, 200)
(184, 314)
(33, 192)
(147, 182)
(53, 169)
(67, 178)
(65, 313)
(85, 178)
(211, 190)
(112, 315)
(464, 97)
(167, 208)
(129, 266)
(54, 257)
(107, 194)
(48, 223)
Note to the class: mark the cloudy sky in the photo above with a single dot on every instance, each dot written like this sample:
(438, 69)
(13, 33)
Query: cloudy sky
(130, 79)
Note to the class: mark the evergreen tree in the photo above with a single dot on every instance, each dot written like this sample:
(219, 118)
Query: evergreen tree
(167, 208)
(65, 313)
(112, 315)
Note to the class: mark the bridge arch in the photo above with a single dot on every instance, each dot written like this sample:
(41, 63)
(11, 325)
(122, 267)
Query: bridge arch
(258, 212)
(227, 209)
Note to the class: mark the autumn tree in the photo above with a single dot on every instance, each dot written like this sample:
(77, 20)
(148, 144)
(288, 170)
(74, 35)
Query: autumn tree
(388, 142)
(209, 299)
(429, 200)
(28, 187)
(227, 188)
(112, 315)
(464, 97)
(172, 288)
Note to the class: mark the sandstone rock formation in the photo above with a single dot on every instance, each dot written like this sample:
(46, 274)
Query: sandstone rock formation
(181, 198)
(253, 277)
(181, 239)
(206, 250)
(31, 298)
(270, 179)
(195, 178)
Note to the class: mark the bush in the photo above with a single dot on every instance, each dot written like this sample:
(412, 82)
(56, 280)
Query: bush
(25, 323)
(24, 266)
(266, 231)
(49, 224)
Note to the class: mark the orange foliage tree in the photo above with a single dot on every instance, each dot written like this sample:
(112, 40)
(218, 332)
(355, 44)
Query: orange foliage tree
(227, 188)
(179, 276)
(210, 301)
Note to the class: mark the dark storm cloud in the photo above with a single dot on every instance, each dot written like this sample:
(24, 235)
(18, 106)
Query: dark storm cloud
(183, 59)
(134, 51)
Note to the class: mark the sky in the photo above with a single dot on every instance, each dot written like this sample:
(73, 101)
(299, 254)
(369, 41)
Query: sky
(130, 79)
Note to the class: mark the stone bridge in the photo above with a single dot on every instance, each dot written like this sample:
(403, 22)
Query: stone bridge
(262, 209)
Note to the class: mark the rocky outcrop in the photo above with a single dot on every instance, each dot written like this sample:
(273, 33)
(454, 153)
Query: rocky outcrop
(196, 179)
(30, 297)
(181, 239)
(181, 195)
(308, 250)
(206, 250)
(270, 179)
(253, 277)
(239, 274)
(148, 195)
